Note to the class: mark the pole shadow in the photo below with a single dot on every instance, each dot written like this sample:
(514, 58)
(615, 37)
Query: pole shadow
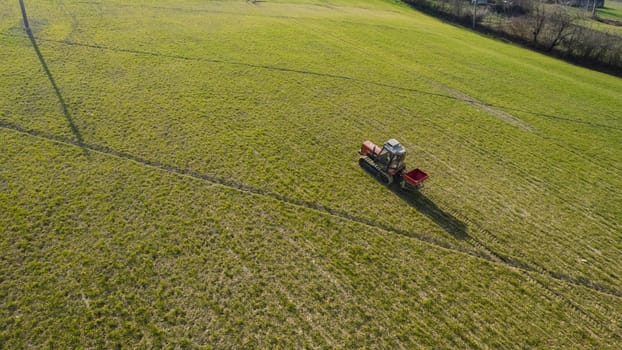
(72, 125)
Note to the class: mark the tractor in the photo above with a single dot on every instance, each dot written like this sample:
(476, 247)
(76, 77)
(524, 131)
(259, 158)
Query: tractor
(387, 164)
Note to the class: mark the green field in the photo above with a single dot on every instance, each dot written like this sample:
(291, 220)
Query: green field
(612, 10)
(184, 174)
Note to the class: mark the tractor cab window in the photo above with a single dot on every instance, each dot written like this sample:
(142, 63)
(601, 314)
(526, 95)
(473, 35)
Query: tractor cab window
(396, 161)
(396, 154)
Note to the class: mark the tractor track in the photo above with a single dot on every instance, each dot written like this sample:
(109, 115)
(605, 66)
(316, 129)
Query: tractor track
(484, 251)
(532, 268)
(248, 190)
(319, 74)
(453, 94)
(243, 64)
(532, 179)
(497, 110)
(490, 108)
(488, 254)
(232, 185)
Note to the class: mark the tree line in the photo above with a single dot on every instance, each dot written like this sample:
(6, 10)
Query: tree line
(551, 27)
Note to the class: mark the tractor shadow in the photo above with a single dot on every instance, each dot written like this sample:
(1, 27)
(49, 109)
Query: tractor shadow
(427, 207)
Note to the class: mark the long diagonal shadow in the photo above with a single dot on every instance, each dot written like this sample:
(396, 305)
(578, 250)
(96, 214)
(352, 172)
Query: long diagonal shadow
(427, 207)
(72, 125)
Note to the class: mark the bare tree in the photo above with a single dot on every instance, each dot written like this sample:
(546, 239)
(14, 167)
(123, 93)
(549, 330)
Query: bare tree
(559, 26)
(538, 19)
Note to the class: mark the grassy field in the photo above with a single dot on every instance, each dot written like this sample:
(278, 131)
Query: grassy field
(612, 10)
(184, 174)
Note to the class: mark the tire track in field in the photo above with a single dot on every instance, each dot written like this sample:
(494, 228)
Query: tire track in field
(538, 270)
(451, 95)
(600, 220)
(490, 237)
(485, 105)
(488, 253)
(305, 248)
(252, 65)
(342, 214)
(602, 317)
(233, 185)
(245, 64)
(498, 111)
(256, 3)
(450, 92)
(282, 69)
(490, 108)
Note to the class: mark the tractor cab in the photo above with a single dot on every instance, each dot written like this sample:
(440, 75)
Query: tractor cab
(392, 156)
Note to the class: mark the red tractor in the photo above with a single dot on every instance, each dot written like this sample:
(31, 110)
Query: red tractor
(387, 164)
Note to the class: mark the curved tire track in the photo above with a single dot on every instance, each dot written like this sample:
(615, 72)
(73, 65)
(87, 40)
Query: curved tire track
(488, 106)
(487, 253)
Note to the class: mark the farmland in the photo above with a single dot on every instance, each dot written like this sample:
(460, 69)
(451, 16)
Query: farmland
(184, 174)
(612, 10)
